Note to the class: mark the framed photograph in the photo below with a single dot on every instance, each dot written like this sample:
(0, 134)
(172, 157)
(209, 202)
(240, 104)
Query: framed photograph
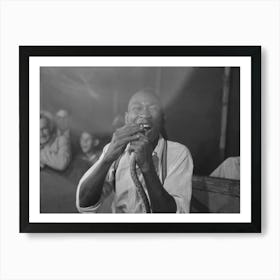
(140, 139)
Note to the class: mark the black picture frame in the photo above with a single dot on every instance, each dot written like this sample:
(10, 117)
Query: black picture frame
(254, 52)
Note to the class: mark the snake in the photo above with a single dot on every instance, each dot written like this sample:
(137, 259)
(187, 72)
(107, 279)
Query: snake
(137, 183)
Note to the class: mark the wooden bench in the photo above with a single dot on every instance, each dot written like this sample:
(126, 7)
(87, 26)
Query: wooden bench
(215, 195)
(210, 195)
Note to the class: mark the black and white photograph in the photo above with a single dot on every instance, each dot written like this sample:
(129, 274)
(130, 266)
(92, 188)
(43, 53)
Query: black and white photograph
(178, 125)
(142, 134)
(139, 140)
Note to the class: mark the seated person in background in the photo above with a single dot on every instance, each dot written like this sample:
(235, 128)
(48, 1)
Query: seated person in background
(62, 123)
(163, 168)
(55, 150)
(229, 169)
(118, 122)
(89, 146)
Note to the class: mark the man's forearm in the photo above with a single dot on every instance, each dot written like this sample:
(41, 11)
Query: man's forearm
(91, 188)
(161, 200)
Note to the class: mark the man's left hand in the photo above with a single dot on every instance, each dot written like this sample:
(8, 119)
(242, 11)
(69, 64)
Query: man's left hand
(143, 152)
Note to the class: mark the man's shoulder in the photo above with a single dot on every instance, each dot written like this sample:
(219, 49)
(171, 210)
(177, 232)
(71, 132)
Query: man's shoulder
(179, 155)
(176, 148)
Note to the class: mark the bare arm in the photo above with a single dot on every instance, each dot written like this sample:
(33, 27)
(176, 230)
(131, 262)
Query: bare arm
(161, 200)
(91, 187)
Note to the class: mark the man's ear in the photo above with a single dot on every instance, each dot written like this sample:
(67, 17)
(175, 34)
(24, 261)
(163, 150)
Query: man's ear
(126, 118)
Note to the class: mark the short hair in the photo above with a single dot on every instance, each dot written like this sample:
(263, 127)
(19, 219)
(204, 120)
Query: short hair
(148, 90)
(89, 133)
(62, 113)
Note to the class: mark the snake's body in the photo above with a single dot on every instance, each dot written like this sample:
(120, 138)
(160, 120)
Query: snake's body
(139, 186)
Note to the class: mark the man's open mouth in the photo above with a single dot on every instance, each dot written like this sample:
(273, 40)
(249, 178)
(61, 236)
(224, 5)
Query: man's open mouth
(145, 126)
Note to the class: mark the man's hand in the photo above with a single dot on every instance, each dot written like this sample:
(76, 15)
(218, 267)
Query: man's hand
(120, 139)
(143, 151)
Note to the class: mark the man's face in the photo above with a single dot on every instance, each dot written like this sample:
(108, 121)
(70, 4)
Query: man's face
(62, 122)
(45, 133)
(86, 142)
(144, 108)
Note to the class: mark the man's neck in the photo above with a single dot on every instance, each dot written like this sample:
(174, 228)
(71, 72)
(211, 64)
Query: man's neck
(155, 142)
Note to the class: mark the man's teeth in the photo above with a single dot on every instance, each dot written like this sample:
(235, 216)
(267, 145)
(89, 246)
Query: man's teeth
(145, 126)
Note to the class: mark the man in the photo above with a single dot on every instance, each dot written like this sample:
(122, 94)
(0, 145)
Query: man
(55, 151)
(62, 123)
(89, 147)
(111, 173)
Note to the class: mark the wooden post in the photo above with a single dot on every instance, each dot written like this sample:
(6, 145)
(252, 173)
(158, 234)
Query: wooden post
(225, 100)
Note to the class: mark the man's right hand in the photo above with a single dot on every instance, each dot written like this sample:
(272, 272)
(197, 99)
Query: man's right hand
(120, 139)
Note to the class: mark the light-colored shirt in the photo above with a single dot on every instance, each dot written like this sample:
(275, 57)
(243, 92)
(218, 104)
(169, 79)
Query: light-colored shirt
(57, 153)
(178, 181)
(229, 169)
(65, 133)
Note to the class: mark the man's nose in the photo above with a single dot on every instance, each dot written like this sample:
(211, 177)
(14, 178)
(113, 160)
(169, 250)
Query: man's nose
(145, 112)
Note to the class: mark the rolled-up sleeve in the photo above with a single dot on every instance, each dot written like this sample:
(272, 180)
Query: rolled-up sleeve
(178, 181)
(107, 187)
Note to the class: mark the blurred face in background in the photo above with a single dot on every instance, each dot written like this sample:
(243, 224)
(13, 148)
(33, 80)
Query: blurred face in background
(118, 122)
(62, 120)
(45, 132)
(144, 109)
(88, 142)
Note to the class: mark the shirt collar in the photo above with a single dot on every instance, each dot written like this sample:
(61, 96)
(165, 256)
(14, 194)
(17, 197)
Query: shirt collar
(158, 149)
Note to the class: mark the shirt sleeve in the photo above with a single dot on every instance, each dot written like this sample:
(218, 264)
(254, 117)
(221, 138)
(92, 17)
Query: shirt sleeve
(178, 181)
(58, 155)
(107, 186)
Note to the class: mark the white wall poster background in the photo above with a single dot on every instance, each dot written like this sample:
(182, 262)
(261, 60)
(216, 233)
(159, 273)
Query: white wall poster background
(99, 256)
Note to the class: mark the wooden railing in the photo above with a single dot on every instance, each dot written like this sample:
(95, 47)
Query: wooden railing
(209, 195)
(215, 195)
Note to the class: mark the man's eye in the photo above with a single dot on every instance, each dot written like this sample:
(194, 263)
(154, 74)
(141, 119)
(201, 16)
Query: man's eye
(136, 108)
(154, 108)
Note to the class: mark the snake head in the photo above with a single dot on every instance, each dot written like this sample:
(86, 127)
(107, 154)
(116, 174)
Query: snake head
(145, 126)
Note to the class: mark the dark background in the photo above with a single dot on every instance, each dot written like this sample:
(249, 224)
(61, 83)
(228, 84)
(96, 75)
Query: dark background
(191, 96)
